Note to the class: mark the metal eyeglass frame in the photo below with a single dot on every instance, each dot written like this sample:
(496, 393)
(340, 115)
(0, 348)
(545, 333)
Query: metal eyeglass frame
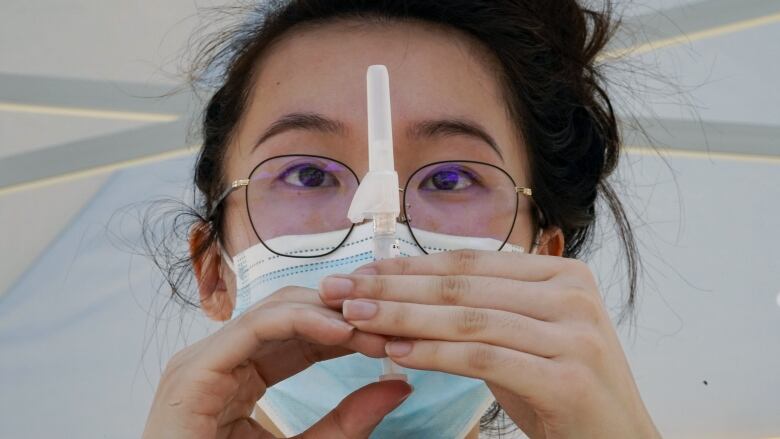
(244, 183)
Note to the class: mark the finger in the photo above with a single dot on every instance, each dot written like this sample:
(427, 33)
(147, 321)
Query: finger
(293, 293)
(360, 412)
(281, 360)
(520, 266)
(249, 388)
(524, 374)
(242, 337)
(244, 428)
(371, 345)
(456, 323)
(538, 300)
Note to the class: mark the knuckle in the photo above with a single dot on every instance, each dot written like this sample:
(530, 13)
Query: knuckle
(378, 287)
(575, 299)
(402, 265)
(480, 357)
(590, 345)
(576, 265)
(512, 322)
(301, 314)
(246, 321)
(175, 364)
(470, 321)
(243, 321)
(287, 290)
(452, 288)
(431, 352)
(271, 302)
(178, 358)
(254, 312)
(398, 317)
(464, 261)
(284, 294)
(515, 362)
(584, 303)
(303, 320)
(579, 269)
(298, 314)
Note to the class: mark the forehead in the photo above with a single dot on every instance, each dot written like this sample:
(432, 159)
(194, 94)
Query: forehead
(434, 72)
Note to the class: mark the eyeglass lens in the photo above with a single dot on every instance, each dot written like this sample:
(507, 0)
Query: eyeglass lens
(306, 195)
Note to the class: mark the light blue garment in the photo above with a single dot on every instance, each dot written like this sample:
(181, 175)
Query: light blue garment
(441, 406)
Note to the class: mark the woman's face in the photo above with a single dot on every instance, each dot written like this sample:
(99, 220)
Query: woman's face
(435, 74)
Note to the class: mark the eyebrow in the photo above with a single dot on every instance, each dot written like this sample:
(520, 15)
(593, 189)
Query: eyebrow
(452, 127)
(302, 121)
(428, 128)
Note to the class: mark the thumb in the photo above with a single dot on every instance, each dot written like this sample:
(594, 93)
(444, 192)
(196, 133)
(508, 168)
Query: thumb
(361, 411)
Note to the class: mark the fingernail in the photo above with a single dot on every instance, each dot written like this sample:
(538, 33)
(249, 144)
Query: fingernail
(359, 309)
(341, 324)
(366, 269)
(336, 287)
(398, 348)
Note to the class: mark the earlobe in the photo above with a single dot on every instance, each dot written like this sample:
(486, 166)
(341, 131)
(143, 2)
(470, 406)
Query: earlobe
(215, 298)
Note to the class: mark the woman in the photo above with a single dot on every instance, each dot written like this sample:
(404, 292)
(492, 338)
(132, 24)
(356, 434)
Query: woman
(484, 94)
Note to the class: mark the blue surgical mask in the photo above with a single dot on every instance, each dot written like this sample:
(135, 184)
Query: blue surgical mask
(442, 405)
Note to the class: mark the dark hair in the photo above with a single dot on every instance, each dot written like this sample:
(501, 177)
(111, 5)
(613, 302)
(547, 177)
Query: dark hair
(549, 72)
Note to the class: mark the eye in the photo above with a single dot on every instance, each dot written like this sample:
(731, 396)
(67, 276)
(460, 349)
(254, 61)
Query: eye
(448, 179)
(308, 175)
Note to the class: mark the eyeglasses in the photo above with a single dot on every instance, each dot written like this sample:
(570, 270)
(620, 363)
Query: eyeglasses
(302, 194)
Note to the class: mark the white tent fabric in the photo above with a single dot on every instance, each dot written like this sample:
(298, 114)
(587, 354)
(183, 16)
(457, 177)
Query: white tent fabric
(79, 345)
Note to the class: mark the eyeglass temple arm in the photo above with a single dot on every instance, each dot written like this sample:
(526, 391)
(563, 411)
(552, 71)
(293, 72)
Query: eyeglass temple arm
(528, 192)
(233, 186)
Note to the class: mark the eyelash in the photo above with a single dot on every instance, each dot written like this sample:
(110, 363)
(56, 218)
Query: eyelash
(428, 181)
(327, 176)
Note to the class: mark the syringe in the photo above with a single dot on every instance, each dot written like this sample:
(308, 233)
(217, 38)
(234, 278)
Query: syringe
(377, 196)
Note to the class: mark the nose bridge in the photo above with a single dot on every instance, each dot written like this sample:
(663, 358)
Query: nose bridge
(405, 161)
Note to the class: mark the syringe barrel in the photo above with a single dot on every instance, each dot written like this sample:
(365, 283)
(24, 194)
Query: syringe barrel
(385, 241)
(384, 224)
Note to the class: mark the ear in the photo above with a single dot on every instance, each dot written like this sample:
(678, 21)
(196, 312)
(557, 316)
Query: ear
(215, 299)
(551, 242)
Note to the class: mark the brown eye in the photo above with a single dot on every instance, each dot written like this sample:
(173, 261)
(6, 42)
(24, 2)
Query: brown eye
(309, 176)
(448, 179)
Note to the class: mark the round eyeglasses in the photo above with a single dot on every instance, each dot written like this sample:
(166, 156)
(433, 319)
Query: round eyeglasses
(292, 195)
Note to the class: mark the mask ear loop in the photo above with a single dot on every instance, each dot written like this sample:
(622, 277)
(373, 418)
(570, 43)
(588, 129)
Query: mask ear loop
(536, 242)
(539, 232)
(225, 257)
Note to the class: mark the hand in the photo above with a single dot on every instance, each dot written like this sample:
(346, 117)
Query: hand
(208, 390)
(533, 327)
